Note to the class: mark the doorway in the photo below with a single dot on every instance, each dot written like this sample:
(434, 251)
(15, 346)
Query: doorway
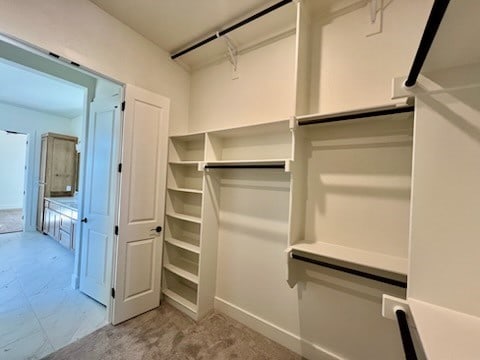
(13, 149)
(44, 304)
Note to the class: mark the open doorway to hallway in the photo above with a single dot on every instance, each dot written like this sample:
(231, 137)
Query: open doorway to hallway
(13, 147)
(55, 272)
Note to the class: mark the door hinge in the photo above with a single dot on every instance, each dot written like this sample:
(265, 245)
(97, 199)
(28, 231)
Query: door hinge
(120, 167)
(113, 293)
(123, 106)
(116, 230)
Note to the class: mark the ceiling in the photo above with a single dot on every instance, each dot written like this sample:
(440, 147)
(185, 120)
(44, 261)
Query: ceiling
(175, 24)
(27, 88)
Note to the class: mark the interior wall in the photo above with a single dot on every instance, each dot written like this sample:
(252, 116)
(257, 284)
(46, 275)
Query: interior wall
(34, 124)
(352, 70)
(12, 162)
(82, 32)
(263, 92)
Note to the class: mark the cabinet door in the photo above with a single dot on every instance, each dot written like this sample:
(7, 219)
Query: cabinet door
(57, 219)
(65, 239)
(63, 164)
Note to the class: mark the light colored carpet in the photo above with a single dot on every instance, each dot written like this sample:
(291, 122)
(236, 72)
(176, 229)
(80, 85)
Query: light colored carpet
(11, 221)
(166, 333)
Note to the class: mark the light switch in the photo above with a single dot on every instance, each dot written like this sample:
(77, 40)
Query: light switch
(69, 188)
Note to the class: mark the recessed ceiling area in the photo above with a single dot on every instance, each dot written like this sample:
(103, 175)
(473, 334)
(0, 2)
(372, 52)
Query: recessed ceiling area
(30, 89)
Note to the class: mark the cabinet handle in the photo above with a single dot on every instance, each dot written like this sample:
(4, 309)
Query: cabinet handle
(84, 220)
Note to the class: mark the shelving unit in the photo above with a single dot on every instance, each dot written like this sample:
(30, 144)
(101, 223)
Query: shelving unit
(351, 190)
(190, 247)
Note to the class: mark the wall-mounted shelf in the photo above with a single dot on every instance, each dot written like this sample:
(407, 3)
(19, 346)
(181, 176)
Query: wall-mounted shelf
(370, 259)
(181, 295)
(182, 273)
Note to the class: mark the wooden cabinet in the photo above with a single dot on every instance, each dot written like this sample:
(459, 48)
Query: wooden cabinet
(59, 223)
(58, 171)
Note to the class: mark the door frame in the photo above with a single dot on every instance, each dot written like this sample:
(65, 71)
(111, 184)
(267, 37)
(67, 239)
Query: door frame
(36, 50)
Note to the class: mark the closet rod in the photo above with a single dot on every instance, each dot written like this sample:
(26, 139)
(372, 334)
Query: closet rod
(363, 274)
(231, 28)
(433, 23)
(357, 115)
(244, 166)
(407, 341)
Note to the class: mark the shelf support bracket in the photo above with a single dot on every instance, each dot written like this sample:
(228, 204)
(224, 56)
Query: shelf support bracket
(232, 54)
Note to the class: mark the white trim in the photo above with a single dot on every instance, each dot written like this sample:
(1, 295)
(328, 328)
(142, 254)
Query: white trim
(283, 337)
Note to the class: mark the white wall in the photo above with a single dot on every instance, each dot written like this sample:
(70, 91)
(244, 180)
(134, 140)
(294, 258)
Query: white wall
(12, 162)
(82, 32)
(34, 124)
(264, 91)
(351, 70)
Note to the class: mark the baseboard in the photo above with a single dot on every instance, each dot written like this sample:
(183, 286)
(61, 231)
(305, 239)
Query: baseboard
(283, 337)
(11, 207)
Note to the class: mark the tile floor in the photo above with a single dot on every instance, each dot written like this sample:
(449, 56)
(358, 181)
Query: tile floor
(39, 311)
(11, 220)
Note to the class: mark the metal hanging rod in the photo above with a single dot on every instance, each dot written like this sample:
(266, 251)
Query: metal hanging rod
(363, 274)
(231, 28)
(434, 20)
(407, 342)
(356, 115)
(245, 166)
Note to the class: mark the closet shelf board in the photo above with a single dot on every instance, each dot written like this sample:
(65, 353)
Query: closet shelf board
(360, 257)
(182, 273)
(180, 299)
(190, 218)
(183, 245)
(282, 126)
(184, 162)
(187, 190)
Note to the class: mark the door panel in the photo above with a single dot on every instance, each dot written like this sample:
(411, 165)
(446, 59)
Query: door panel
(142, 203)
(99, 200)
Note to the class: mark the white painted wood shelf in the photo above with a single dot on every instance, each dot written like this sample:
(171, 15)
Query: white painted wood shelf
(189, 218)
(185, 162)
(355, 256)
(183, 245)
(187, 190)
(181, 297)
(182, 272)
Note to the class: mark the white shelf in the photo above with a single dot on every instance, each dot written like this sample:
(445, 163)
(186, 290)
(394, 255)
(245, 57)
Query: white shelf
(444, 333)
(360, 257)
(184, 162)
(184, 245)
(190, 218)
(187, 293)
(194, 191)
(182, 273)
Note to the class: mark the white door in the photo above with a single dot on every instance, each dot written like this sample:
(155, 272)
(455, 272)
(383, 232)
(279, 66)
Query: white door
(142, 204)
(99, 209)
